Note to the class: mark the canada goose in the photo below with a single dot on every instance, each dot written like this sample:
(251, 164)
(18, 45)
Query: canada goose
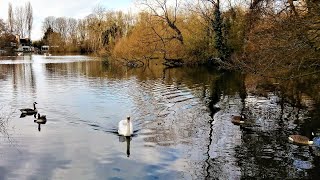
(125, 127)
(303, 140)
(40, 120)
(43, 117)
(237, 120)
(30, 111)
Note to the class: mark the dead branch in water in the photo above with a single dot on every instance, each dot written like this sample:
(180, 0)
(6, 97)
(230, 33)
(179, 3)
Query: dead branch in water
(133, 63)
(4, 121)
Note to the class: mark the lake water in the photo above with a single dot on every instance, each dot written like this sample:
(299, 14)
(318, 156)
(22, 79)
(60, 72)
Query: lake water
(181, 117)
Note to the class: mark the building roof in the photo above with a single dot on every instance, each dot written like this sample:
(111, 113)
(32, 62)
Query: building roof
(24, 41)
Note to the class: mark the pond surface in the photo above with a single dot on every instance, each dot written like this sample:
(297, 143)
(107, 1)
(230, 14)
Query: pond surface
(181, 118)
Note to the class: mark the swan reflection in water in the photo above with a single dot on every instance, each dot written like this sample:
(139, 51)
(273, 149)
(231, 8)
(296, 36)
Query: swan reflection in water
(126, 139)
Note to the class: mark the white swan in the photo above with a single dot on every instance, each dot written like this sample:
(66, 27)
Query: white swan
(125, 127)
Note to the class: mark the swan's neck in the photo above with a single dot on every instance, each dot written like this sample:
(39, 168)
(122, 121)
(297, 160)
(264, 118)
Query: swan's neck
(34, 106)
(128, 127)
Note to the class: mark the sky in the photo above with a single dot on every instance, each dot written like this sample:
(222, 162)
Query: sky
(62, 8)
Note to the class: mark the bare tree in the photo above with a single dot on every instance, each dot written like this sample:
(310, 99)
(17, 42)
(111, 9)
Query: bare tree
(99, 12)
(20, 21)
(72, 30)
(29, 18)
(23, 19)
(161, 9)
(129, 22)
(2, 26)
(81, 28)
(49, 22)
(211, 12)
(10, 18)
(61, 27)
(94, 32)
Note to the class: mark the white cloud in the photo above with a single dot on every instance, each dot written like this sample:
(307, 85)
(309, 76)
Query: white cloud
(60, 8)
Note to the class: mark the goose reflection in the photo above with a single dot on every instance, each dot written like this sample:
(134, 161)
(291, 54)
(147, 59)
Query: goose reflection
(126, 139)
(22, 115)
(40, 120)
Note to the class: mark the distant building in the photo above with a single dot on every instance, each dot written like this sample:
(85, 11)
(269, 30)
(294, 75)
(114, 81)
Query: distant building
(45, 48)
(27, 48)
(24, 45)
(24, 42)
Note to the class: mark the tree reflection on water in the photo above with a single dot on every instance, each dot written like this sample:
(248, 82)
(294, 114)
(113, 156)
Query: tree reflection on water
(273, 112)
(182, 116)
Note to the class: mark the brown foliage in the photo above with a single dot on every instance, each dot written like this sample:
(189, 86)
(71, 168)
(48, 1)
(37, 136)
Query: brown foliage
(282, 45)
(150, 38)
